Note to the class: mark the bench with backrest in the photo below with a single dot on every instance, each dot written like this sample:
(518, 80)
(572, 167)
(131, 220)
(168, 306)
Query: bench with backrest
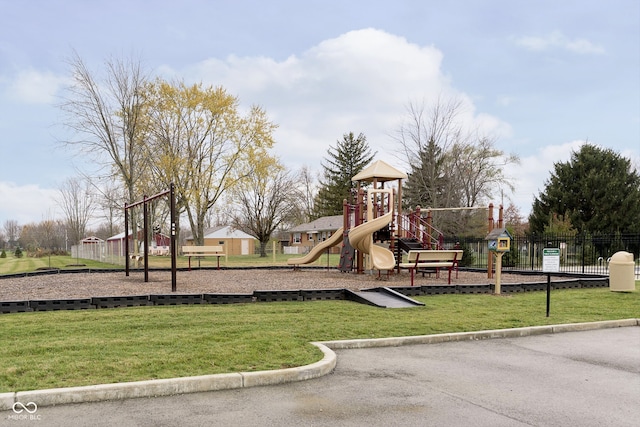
(202, 251)
(432, 259)
(159, 250)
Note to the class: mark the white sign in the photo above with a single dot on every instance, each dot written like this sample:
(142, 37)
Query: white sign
(551, 260)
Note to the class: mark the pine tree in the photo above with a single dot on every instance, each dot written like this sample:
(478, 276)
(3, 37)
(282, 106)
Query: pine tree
(345, 160)
(426, 181)
(597, 191)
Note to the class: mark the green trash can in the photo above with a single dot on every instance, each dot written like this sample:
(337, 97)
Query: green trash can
(621, 272)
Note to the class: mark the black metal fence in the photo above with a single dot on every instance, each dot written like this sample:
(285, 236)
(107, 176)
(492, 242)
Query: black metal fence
(581, 253)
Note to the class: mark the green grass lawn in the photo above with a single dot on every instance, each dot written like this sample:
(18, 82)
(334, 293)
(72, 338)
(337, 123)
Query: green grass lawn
(12, 265)
(72, 348)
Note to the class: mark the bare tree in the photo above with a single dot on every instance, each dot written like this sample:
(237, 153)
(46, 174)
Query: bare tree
(478, 167)
(451, 164)
(426, 140)
(109, 204)
(514, 220)
(76, 201)
(440, 124)
(307, 189)
(108, 117)
(12, 232)
(44, 237)
(265, 200)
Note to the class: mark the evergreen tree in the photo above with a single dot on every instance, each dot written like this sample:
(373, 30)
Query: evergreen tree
(427, 179)
(344, 161)
(597, 191)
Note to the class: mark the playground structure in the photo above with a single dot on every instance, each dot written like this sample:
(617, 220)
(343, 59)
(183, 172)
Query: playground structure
(376, 233)
(372, 225)
(374, 236)
(369, 220)
(361, 237)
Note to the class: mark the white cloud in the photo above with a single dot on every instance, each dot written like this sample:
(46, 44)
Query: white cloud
(633, 156)
(533, 171)
(557, 40)
(35, 87)
(360, 81)
(27, 203)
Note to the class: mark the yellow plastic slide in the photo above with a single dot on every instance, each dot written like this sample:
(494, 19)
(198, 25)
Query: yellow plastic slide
(361, 238)
(318, 249)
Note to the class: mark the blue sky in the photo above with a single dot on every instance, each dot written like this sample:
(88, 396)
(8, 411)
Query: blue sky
(541, 76)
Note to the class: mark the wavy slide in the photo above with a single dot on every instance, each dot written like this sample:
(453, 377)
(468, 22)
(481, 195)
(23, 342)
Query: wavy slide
(361, 238)
(318, 249)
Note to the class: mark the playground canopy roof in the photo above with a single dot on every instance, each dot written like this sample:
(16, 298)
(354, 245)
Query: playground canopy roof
(379, 171)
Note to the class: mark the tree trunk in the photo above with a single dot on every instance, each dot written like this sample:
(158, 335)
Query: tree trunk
(263, 248)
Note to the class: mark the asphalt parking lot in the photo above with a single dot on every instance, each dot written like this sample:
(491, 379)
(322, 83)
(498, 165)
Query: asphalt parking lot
(587, 378)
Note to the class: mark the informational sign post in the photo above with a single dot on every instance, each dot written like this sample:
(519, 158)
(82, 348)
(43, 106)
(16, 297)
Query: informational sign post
(550, 264)
(551, 260)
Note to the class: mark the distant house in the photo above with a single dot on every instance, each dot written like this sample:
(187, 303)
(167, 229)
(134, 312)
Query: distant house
(91, 241)
(91, 247)
(235, 242)
(305, 236)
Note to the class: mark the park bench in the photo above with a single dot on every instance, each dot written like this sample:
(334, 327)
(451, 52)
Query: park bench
(424, 259)
(201, 251)
(160, 250)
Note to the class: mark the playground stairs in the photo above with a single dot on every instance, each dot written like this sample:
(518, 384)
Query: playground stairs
(407, 244)
(382, 297)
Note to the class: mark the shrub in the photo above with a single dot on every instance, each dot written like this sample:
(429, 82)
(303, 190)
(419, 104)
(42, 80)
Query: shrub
(511, 258)
(467, 256)
(3, 254)
(18, 252)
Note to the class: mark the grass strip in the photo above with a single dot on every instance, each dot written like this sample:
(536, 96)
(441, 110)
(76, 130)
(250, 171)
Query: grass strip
(13, 265)
(73, 348)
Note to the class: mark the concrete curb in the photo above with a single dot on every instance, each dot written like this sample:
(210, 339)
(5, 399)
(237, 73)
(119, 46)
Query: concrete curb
(167, 387)
(479, 335)
(172, 386)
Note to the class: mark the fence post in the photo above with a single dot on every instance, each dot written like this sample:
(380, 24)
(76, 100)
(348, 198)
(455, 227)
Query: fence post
(583, 239)
(489, 254)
